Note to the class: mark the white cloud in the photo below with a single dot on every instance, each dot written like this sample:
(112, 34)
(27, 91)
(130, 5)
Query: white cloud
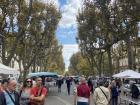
(69, 12)
(68, 51)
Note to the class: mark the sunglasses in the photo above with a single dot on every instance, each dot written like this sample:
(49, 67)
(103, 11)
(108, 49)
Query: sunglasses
(28, 81)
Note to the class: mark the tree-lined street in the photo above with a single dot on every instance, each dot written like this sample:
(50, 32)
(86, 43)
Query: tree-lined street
(37, 51)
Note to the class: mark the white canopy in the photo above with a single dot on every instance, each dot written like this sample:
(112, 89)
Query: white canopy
(7, 70)
(127, 74)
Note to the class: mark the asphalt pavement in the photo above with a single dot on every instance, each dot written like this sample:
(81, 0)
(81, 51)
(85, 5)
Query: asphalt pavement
(55, 98)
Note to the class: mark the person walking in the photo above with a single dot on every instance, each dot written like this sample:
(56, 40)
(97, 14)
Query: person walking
(101, 94)
(90, 84)
(38, 93)
(25, 92)
(59, 84)
(114, 93)
(68, 82)
(9, 96)
(82, 93)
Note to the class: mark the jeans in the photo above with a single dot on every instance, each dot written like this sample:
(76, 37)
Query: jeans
(114, 100)
(68, 88)
(82, 103)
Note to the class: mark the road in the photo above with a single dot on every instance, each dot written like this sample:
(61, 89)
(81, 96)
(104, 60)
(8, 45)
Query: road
(55, 98)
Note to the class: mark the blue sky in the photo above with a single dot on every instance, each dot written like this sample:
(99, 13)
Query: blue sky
(66, 35)
(62, 2)
(67, 28)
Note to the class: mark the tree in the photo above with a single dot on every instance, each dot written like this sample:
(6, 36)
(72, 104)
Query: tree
(102, 23)
(28, 33)
(93, 35)
(12, 10)
(79, 65)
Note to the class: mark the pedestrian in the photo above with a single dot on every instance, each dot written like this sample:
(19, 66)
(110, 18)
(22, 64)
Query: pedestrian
(90, 84)
(101, 94)
(94, 83)
(38, 93)
(9, 96)
(82, 93)
(25, 92)
(114, 93)
(59, 84)
(134, 91)
(68, 82)
(4, 83)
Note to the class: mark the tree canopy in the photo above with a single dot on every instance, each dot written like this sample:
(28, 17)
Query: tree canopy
(27, 30)
(103, 23)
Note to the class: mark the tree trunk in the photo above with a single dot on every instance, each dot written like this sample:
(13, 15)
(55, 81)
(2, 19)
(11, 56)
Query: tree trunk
(3, 51)
(134, 57)
(20, 76)
(118, 65)
(110, 61)
(24, 74)
(129, 52)
(90, 60)
(34, 65)
(103, 65)
(100, 63)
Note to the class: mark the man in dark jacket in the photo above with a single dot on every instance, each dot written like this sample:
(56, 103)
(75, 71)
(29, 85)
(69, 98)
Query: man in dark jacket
(68, 82)
(9, 96)
(135, 91)
(59, 84)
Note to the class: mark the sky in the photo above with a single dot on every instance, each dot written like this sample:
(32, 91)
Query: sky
(67, 28)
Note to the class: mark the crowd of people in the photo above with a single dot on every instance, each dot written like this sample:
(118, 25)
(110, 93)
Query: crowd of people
(99, 91)
(27, 94)
(102, 91)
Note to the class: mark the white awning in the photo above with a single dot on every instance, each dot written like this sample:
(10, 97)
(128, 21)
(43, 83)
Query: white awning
(127, 74)
(7, 70)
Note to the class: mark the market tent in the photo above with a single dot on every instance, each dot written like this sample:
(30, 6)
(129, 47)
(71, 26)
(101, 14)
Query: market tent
(42, 74)
(136, 76)
(7, 70)
(127, 74)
